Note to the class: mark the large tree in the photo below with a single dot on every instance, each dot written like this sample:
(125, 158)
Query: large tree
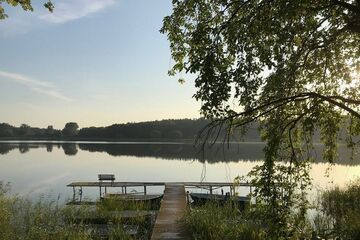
(292, 65)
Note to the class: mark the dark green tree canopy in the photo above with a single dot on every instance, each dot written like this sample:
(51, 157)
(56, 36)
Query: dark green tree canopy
(70, 129)
(292, 61)
(26, 5)
(292, 65)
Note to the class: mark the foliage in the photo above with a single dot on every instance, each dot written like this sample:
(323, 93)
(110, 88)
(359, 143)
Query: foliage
(21, 219)
(342, 206)
(70, 129)
(152, 130)
(292, 65)
(26, 5)
(45, 219)
(216, 222)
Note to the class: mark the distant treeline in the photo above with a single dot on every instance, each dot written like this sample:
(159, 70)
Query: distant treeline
(181, 129)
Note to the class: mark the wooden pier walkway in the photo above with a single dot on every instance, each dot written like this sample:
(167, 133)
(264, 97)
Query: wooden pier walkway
(173, 207)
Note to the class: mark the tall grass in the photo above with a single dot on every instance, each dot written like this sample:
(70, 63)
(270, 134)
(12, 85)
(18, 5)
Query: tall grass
(340, 212)
(220, 222)
(44, 219)
(337, 217)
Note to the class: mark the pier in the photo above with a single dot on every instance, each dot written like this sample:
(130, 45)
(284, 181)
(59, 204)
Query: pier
(173, 207)
(173, 204)
(124, 186)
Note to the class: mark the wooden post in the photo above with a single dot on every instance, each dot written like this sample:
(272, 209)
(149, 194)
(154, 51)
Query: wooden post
(125, 190)
(144, 189)
(222, 191)
(80, 192)
(74, 193)
(250, 196)
(211, 190)
(100, 190)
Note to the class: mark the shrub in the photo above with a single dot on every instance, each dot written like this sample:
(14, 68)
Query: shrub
(342, 206)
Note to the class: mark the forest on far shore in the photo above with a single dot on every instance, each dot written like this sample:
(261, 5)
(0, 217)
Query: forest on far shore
(172, 129)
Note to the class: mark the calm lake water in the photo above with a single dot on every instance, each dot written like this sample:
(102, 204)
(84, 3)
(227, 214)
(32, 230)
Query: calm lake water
(45, 168)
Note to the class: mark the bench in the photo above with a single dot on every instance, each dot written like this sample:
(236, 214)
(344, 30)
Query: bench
(106, 177)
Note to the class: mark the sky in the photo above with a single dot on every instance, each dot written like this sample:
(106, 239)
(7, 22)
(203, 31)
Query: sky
(94, 62)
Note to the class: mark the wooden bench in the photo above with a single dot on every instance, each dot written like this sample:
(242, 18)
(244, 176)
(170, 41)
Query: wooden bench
(106, 177)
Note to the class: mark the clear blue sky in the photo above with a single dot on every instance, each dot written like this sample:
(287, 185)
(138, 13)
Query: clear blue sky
(96, 62)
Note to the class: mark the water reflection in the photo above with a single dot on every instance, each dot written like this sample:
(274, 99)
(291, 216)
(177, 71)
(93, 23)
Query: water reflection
(171, 151)
(70, 149)
(45, 167)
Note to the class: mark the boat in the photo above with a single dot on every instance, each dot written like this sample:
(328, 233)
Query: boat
(202, 198)
(151, 202)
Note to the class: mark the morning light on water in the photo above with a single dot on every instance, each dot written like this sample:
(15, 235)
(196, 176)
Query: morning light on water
(161, 119)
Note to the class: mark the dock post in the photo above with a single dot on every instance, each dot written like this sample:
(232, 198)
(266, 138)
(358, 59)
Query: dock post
(125, 190)
(144, 189)
(80, 193)
(74, 193)
(100, 190)
(211, 190)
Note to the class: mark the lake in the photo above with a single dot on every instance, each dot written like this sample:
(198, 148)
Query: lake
(45, 168)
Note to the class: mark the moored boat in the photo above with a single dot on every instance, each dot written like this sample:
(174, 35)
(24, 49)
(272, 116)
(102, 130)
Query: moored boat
(202, 198)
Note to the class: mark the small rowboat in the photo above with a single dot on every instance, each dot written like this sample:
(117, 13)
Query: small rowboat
(151, 202)
(202, 198)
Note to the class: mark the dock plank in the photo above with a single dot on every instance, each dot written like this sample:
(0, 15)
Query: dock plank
(173, 207)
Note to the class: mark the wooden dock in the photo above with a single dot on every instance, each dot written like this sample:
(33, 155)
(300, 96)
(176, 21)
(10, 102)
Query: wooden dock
(173, 207)
(124, 186)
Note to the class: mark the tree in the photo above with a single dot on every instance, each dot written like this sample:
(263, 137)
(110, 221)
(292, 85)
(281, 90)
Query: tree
(49, 132)
(292, 65)
(26, 5)
(25, 130)
(70, 129)
(6, 130)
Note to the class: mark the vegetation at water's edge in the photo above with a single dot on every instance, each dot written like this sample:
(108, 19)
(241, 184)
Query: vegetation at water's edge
(337, 217)
(340, 212)
(49, 220)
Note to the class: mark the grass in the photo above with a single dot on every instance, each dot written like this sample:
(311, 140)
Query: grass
(219, 222)
(43, 219)
(340, 212)
(337, 217)
(22, 219)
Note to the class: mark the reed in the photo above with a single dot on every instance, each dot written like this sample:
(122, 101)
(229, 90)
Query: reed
(46, 219)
